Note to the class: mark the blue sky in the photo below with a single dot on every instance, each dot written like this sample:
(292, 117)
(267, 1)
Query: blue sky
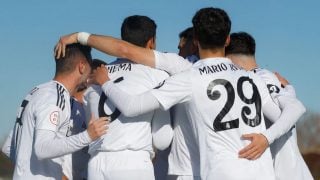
(286, 33)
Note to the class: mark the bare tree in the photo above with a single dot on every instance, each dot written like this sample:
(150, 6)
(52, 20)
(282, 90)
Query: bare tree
(308, 133)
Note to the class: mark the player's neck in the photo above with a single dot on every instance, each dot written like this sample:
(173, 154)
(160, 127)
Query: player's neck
(68, 82)
(211, 53)
(245, 61)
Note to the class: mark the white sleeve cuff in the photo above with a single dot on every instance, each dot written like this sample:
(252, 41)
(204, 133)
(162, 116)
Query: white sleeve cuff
(267, 134)
(86, 138)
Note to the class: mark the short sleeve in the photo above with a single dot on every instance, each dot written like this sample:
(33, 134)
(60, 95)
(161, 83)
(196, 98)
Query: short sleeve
(176, 89)
(171, 62)
(48, 117)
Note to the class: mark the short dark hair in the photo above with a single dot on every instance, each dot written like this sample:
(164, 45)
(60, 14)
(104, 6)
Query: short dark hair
(241, 43)
(211, 27)
(97, 63)
(67, 63)
(187, 33)
(138, 30)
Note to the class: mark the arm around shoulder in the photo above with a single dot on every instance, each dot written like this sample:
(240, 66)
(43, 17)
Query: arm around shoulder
(291, 110)
(119, 48)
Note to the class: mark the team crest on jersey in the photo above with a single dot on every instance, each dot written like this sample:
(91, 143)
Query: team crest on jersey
(54, 117)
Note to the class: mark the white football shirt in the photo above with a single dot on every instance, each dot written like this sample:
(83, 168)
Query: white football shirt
(179, 163)
(224, 102)
(184, 155)
(46, 107)
(288, 162)
(126, 133)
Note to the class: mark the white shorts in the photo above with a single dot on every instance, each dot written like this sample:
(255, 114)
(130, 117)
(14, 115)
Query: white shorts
(122, 165)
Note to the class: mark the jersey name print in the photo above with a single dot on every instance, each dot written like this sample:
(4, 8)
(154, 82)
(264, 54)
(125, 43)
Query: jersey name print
(217, 68)
(119, 67)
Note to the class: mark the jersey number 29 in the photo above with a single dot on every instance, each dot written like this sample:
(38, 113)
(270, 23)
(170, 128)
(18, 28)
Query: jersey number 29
(218, 125)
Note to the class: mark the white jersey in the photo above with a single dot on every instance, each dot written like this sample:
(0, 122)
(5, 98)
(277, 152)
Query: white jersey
(126, 133)
(46, 107)
(288, 162)
(184, 155)
(224, 102)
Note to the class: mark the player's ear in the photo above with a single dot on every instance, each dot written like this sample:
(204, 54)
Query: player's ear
(194, 47)
(227, 41)
(196, 42)
(82, 67)
(151, 44)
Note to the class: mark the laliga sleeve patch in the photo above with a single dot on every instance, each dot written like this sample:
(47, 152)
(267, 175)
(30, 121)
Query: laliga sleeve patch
(54, 117)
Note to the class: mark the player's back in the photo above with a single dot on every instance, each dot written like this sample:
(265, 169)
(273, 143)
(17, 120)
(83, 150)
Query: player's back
(288, 162)
(226, 103)
(127, 133)
(184, 156)
(34, 115)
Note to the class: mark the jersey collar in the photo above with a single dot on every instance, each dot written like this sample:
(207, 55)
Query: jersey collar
(215, 60)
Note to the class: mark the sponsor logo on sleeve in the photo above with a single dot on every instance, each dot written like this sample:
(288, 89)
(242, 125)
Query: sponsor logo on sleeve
(54, 118)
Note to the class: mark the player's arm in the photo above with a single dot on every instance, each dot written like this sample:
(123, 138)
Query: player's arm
(161, 129)
(108, 45)
(91, 97)
(128, 105)
(291, 110)
(6, 148)
(175, 89)
(169, 62)
(49, 145)
(284, 118)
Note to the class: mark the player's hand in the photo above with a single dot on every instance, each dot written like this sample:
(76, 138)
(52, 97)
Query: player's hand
(98, 127)
(254, 150)
(99, 76)
(60, 48)
(282, 80)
